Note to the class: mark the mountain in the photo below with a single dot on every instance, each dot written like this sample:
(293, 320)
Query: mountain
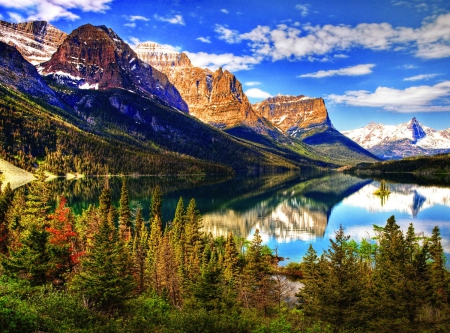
(294, 115)
(306, 119)
(113, 130)
(398, 141)
(35, 40)
(95, 57)
(16, 72)
(216, 98)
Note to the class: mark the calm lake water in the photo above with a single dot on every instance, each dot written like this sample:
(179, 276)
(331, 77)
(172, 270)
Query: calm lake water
(291, 210)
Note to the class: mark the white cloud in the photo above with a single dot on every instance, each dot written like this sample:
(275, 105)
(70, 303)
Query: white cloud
(431, 40)
(304, 9)
(176, 19)
(224, 11)
(348, 71)
(16, 17)
(420, 77)
(252, 83)
(133, 41)
(257, 93)
(227, 61)
(133, 18)
(1, 16)
(230, 36)
(52, 10)
(412, 99)
(131, 25)
(204, 39)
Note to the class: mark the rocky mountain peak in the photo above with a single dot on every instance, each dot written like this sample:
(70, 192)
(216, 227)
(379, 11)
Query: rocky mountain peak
(35, 40)
(417, 130)
(216, 98)
(160, 56)
(17, 72)
(95, 57)
(294, 114)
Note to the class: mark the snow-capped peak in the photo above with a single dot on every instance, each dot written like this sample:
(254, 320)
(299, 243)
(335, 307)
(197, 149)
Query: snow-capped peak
(419, 135)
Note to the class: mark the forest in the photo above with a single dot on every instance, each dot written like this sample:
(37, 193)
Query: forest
(111, 269)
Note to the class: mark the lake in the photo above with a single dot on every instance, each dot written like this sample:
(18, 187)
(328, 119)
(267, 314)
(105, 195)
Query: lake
(291, 210)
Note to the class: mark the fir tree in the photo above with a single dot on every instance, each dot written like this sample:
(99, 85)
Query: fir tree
(125, 226)
(105, 279)
(231, 259)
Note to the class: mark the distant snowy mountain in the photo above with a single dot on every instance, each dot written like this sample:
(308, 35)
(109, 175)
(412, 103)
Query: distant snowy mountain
(397, 141)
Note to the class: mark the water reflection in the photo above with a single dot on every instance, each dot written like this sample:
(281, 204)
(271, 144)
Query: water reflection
(405, 198)
(291, 210)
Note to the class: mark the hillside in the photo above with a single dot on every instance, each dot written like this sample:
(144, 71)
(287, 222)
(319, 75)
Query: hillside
(438, 164)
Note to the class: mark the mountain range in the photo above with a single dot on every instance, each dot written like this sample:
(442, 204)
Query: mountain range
(152, 101)
(403, 140)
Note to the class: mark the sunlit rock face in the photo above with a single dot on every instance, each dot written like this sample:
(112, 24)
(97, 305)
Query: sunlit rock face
(410, 199)
(294, 114)
(35, 40)
(216, 98)
(95, 57)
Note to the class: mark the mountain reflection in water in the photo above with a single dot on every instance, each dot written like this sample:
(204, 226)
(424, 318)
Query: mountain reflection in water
(291, 210)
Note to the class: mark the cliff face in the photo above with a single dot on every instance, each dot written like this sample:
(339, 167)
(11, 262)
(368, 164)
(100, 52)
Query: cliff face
(216, 97)
(97, 58)
(36, 40)
(294, 115)
(17, 72)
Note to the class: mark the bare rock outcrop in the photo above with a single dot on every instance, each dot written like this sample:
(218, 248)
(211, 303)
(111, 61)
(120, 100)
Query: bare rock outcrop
(35, 40)
(95, 57)
(294, 115)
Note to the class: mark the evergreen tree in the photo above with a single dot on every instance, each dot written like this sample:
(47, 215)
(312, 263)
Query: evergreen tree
(154, 242)
(193, 244)
(105, 204)
(140, 248)
(156, 204)
(256, 282)
(105, 279)
(125, 226)
(231, 259)
(438, 273)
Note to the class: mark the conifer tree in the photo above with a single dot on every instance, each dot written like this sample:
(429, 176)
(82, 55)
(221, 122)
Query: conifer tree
(154, 242)
(105, 279)
(256, 282)
(230, 259)
(438, 273)
(156, 204)
(125, 226)
(105, 204)
(140, 248)
(193, 245)
(32, 260)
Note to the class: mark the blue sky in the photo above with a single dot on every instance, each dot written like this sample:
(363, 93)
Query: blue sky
(383, 61)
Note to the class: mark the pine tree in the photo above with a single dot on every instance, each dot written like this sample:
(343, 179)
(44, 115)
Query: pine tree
(105, 204)
(230, 260)
(156, 204)
(193, 245)
(125, 226)
(154, 242)
(105, 279)
(256, 283)
(140, 248)
(438, 273)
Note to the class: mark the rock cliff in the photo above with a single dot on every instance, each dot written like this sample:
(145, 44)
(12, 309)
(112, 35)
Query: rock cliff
(95, 57)
(36, 40)
(215, 98)
(17, 72)
(294, 115)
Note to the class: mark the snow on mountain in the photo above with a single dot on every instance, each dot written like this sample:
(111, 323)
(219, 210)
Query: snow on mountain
(407, 139)
(36, 40)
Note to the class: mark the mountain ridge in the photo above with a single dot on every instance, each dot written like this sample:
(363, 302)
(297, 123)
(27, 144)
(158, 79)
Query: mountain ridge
(403, 140)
